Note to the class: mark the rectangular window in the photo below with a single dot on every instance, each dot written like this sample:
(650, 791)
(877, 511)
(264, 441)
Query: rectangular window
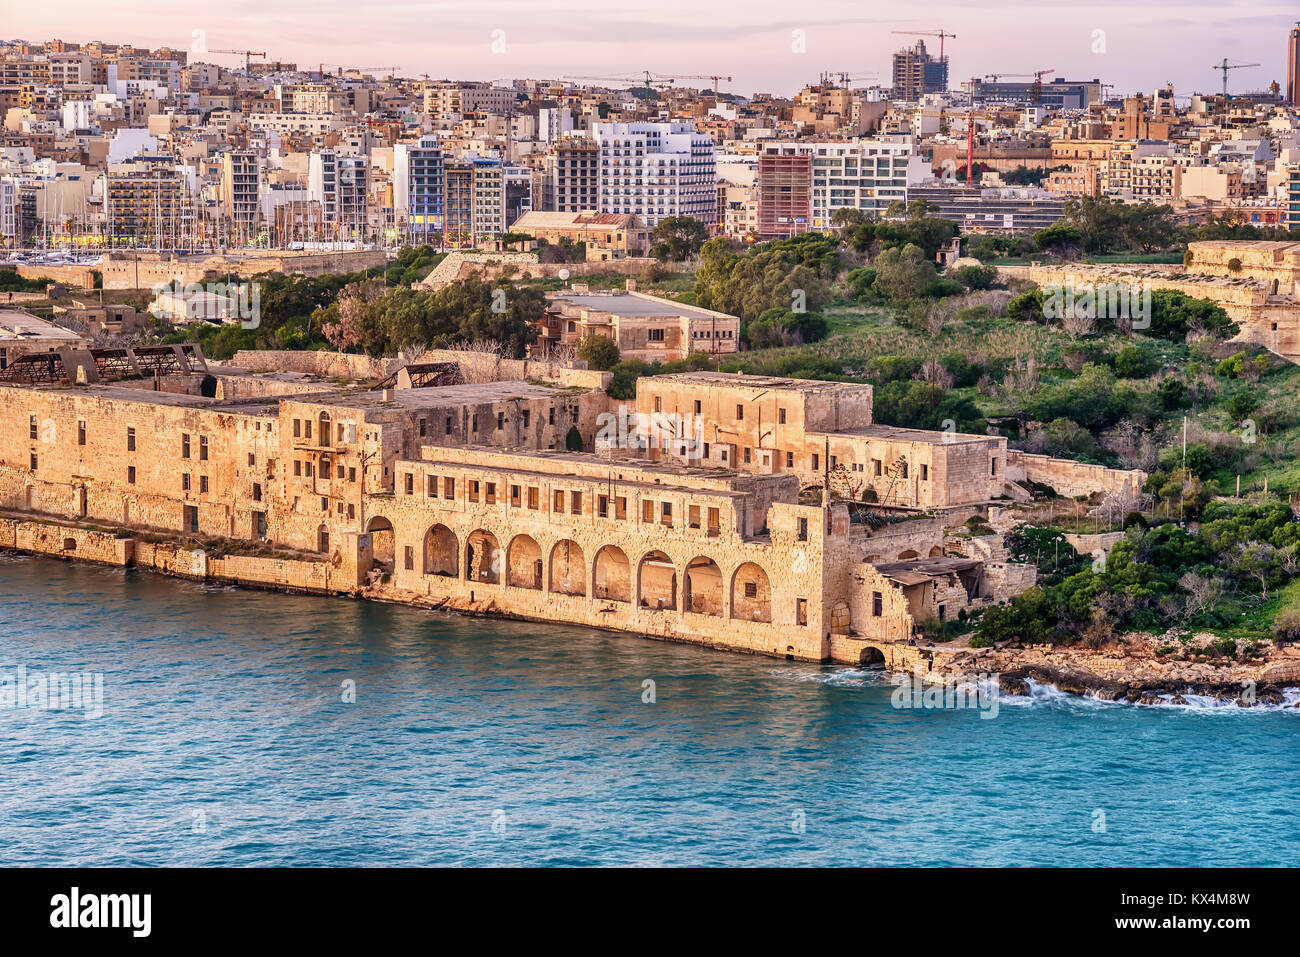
(257, 491)
(185, 481)
(697, 406)
(816, 461)
(780, 416)
(659, 404)
(130, 474)
(527, 416)
(993, 467)
(203, 448)
(33, 461)
(409, 558)
(801, 611)
(473, 491)
(602, 506)
(903, 468)
(185, 445)
(666, 513)
(306, 428)
(491, 496)
(307, 468)
(655, 335)
(203, 483)
(925, 472)
(534, 497)
(875, 466)
(575, 503)
(448, 429)
(31, 426)
(431, 486)
(424, 425)
(740, 413)
(501, 420)
(693, 516)
(877, 604)
(473, 423)
(789, 460)
(252, 459)
(297, 468)
(130, 440)
(297, 428)
(515, 494)
(410, 483)
(647, 511)
(81, 433)
(449, 488)
(746, 455)
(803, 529)
(557, 505)
(751, 589)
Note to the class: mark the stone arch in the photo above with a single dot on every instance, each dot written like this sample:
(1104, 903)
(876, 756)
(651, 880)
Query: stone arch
(656, 581)
(568, 568)
(441, 552)
(871, 657)
(323, 539)
(382, 543)
(936, 552)
(704, 587)
(483, 557)
(612, 574)
(751, 593)
(908, 555)
(524, 563)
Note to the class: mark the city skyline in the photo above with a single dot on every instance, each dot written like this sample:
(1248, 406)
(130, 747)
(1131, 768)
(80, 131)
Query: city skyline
(754, 43)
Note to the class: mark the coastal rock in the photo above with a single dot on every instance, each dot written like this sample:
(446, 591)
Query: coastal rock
(1013, 683)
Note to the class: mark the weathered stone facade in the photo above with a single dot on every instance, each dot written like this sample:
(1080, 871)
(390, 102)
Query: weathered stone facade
(468, 496)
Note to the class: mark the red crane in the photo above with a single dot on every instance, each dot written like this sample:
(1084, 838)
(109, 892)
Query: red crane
(1038, 83)
(246, 54)
(940, 33)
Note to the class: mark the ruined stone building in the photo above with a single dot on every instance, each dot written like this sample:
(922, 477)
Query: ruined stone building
(493, 496)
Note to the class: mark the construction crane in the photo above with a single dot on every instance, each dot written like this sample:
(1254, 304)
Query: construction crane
(1227, 65)
(391, 70)
(940, 33)
(649, 79)
(845, 77)
(1038, 83)
(246, 54)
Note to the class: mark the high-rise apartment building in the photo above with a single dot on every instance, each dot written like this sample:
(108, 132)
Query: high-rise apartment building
(241, 185)
(917, 73)
(1293, 66)
(802, 184)
(573, 175)
(657, 170)
(475, 200)
(339, 182)
(784, 190)
(418, 183)
(147, 202)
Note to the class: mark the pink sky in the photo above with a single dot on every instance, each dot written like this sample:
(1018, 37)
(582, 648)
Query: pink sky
(1145, 43)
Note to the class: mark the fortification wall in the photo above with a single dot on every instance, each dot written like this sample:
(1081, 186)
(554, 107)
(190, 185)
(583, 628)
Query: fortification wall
(1070, 478)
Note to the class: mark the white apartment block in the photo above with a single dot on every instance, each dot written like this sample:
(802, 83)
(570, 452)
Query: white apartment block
(308, 124)
(339, 183)
(861, 174)
(657, 170)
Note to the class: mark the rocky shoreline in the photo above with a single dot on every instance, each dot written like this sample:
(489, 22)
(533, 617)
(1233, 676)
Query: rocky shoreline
(1131, 673)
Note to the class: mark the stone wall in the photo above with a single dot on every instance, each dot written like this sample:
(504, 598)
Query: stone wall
(1070, 478)
(327, 365)
(491, 266)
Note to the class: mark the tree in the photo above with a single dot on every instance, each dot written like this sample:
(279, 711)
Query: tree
(600, 352)
(678, 238)
(903, 274)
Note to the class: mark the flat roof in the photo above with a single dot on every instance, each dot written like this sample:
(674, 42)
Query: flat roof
(635, 305)
(21, 324)
(436, 396)
(925, 569)
(893, 433)
(737, 380)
